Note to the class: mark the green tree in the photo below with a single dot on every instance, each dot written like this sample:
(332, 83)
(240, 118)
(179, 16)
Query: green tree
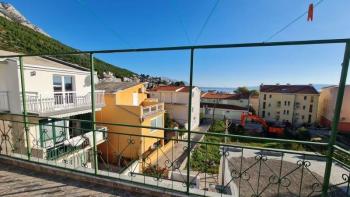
(178, 83)
(244, 91)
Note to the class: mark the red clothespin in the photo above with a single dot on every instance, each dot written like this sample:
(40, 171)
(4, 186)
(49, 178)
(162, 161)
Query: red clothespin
(310, 13)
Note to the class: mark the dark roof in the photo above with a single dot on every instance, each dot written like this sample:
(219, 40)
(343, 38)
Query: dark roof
(76, 66)
(111, 87)
(301, 89)
(216, 95)
(171, 88)
(222, 106)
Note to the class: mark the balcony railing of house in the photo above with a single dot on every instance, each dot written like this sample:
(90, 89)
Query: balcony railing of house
(77, 143)
(211, 163)
(42, 103)
(152, 109)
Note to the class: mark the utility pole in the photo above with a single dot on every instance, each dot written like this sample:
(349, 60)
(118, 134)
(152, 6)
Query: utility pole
(224, 155)
(213, 117)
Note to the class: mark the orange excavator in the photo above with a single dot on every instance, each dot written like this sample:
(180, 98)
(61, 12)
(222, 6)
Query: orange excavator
(270, 129)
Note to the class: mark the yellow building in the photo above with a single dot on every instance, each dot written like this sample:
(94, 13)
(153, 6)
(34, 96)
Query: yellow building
(127, 103)
(296, 104)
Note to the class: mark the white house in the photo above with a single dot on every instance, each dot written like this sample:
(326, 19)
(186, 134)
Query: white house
(223, 105)
(54, 90)
(176, 99)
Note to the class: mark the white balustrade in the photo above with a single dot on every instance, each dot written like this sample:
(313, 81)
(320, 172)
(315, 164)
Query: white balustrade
(41, 103)
(148, 110)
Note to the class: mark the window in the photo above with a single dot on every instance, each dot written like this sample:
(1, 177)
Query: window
(285, 103)
(278, 103)
(304, 107)
(310, 108)
(305, 97)
(284, 111)
(51, 132)
(269, 104)
(312, 99)
(288, 103)
(68, 83)
(157, 122)
(263, 114)
(270, 96)
(57, 83)
(264, 105)
(302, 117)
(154, 123)
(268, 114)
(264, 96)
(287, 112)
(63, 87)
(309, 120)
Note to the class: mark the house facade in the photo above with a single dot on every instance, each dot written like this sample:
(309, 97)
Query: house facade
(127, 103)
(223, 105)
(296, 104)
(326, 106)
(176, 99)
(254, 102)
(55, 90)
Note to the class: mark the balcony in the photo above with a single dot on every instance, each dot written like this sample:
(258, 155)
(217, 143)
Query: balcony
(149, 109)
(76, 144)
(221, 164)
(48, 104)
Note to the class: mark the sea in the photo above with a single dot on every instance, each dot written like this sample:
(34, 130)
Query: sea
(318, 87)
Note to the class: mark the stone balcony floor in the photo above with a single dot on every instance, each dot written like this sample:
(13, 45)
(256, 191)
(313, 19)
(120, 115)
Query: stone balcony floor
(22, 182)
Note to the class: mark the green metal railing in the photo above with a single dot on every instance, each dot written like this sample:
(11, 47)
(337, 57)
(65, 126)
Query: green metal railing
(212, 140)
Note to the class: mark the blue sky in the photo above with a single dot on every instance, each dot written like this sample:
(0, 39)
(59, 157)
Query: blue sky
(102, 24)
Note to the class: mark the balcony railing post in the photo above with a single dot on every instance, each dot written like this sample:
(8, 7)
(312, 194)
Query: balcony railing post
(24, 105)
(93, 117)
(335, 121)
(189, 121)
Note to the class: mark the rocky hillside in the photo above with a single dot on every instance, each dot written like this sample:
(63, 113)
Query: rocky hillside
(10, 13)
(17, 34)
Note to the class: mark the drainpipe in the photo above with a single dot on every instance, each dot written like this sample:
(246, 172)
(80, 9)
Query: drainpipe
(93, 116)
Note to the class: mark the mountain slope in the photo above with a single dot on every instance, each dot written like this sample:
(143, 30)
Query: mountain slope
(11, 13)
(18, 38)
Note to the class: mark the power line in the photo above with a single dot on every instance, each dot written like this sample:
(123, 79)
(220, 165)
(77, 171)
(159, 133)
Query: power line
(291, 23)
(182, 25)
(105, 24)
(207, 20)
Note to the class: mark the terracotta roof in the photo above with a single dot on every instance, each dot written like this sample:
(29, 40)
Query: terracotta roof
(301, 89)
(222, 106)
(171, 88)
(215, 95)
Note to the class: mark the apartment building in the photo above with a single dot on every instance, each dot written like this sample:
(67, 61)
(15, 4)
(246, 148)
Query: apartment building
(176, 99)
(127, 103)
(326, 106)
(296, 104)
(223, 105)
(54, 90)
(254, 102)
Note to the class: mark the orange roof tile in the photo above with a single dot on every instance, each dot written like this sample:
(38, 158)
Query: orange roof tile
(215, 95)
